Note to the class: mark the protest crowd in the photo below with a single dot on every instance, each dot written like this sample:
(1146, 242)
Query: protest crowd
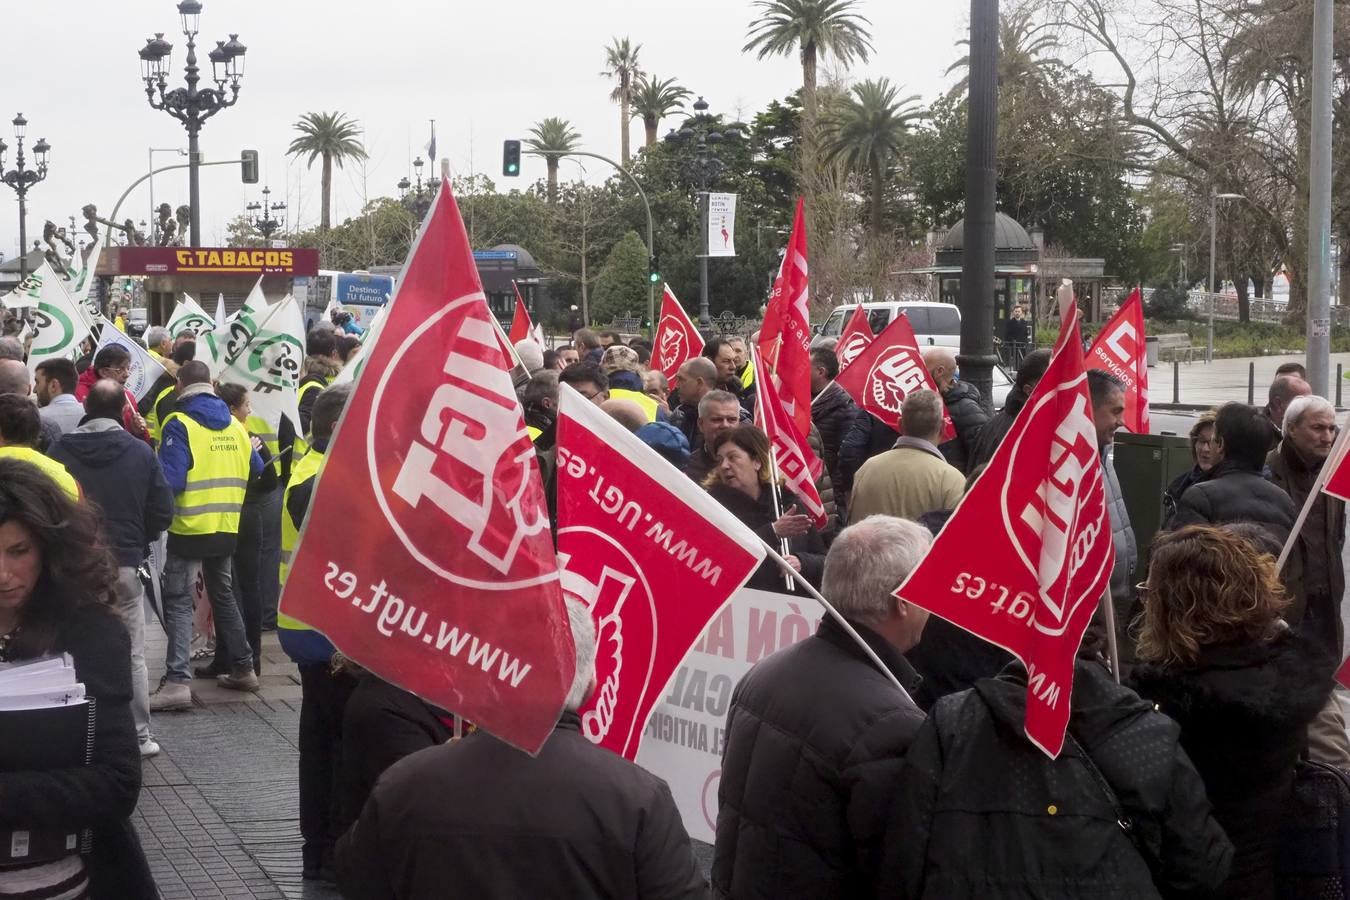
(887, 753)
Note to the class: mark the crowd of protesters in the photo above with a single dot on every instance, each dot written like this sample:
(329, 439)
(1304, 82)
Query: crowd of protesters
(838, 779)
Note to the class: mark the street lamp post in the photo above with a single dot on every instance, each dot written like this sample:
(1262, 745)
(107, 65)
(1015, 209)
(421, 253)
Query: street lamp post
(977, 360)
(21, 178)
(189, 105)
(417, 195)
(1214, 198)
(261, 214)
(704, 168)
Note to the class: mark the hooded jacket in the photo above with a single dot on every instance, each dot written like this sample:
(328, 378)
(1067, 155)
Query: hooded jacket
(1231, 493)
(814, 742)
(121, 476)
(175, 457)
(983, 813)
(832, 412)
(1244, 711)
(969, 417)
(88, 378)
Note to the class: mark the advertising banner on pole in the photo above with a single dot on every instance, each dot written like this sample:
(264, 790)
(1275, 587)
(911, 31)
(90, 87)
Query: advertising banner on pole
(721, 224)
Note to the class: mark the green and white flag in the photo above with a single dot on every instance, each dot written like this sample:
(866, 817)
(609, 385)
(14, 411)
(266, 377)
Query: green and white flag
(188, 316)
(81, 287)
(224, 343)
(270, 364)
(145, 369)
(60, 326)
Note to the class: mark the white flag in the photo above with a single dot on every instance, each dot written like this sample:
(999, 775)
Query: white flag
(61, 327)
(145, 369)
(270, 364)
(219, 346)
(189, 317)
(82, 287)
(220, 310)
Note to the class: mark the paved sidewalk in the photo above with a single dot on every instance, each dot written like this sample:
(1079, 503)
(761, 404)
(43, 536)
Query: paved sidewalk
(1226, 379)
(218, 810)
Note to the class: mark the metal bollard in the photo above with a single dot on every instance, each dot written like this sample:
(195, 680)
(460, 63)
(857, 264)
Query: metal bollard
(1251, 383)
(1176, 381)
(1339, 381)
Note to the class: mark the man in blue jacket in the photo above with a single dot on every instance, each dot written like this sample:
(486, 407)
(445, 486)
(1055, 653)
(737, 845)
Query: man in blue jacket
(120, 475)
(208, 459)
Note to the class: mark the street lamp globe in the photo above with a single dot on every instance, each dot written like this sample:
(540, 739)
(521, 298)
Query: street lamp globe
(236, 51)
(191, 11)
(220, 63)
(40, 151)
(20, 126)
(155, 58)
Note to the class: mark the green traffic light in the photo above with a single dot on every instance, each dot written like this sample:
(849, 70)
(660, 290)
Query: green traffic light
(655, 277)
(512, 168)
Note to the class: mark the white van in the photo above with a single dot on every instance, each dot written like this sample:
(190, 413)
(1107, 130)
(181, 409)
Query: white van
(934, 324)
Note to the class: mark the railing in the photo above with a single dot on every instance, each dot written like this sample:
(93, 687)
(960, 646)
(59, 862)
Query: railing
(1225, 306)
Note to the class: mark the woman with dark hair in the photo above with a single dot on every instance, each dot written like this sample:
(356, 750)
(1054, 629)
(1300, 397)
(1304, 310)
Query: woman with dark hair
(56, 593)
(347, 346)
(742, 480)
(1217, 657)
(1205, 453)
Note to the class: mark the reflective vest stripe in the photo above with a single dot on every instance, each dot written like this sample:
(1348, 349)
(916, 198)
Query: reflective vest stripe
(201, 484)
(211, 500)
(258, 426)
(203, 508)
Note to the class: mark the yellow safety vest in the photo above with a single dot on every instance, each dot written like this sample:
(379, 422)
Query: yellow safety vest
(216, 483)
(258, 425)
(304, 470)
(647, 403)
(152, 418)
(301, 445)
(54, 469)
(533, 432)
(748, 376)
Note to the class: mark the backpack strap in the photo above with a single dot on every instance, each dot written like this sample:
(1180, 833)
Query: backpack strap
(1122, 817)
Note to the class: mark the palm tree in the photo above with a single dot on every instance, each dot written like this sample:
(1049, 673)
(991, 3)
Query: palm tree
(1021, 45)
(653, 100)
(331, 137)
(621, 64)
(866, 130)
(812, 27)
(553, 139)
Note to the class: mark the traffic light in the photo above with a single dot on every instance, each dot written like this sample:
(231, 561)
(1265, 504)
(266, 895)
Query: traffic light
(249, 161)
(511, 158)
(653, 270)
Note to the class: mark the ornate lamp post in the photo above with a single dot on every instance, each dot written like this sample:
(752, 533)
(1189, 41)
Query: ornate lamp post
(703, 168)
(21, 178)
(417, 195)
(189, 105)
(261, 214)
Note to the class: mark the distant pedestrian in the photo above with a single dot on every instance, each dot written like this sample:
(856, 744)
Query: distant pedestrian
(479, 818)
(124, 482)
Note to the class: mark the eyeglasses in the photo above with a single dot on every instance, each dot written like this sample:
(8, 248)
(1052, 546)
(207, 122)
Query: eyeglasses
(118, 370)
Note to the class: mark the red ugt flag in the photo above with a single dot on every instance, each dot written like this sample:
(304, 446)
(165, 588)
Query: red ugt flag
(1119, 350)
(886, 371)
(785, 339)
(1034, 583)
(797, 462)
(650, 554)
(427, 556)
(677, 340)
(521, 326)
(855, 337)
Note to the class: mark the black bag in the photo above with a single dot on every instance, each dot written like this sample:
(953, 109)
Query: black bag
(1312, 857)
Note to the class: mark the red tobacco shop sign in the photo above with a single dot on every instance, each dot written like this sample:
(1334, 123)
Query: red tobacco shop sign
(209, 261)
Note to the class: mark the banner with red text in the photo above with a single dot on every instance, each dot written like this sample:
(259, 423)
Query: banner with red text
(886, 371)
(785, 338)
(452, 589)
(649, 553)
(1031, 586)
(677, 340)
(1119, 350)
(797, 463)
(684, 736)
(855, 337)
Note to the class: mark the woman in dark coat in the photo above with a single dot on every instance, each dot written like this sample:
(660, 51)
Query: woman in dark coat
(741, 480)
(1206, 455)
(56, 595)
(1217, 657)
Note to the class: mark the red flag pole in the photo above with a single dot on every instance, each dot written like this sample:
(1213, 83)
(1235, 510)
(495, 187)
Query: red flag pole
(773, 463)
(838, 617)
(1333, 459)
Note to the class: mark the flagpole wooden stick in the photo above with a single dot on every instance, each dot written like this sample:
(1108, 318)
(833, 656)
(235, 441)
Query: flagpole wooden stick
(1333, 459)
(777, 504)
(1112, 644)
(838, 617)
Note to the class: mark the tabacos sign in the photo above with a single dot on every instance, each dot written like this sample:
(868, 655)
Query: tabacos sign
(210, 260)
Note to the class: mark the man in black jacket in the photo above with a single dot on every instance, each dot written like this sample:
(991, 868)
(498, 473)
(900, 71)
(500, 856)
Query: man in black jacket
(121, 476)
(816, 734)
(832, 409)
(478, 818)
(964, 405)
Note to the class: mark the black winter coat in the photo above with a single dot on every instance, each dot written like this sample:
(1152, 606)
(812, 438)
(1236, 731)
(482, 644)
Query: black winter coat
(969, 417)
(832, 412)
(1232, 494)
(381, 724)
(815, 739)
(1314, 573)
(865, 438)
(101, 795)
(983, 814)
(1244, 712)
(758, 515)
(1179, 486)
(478, 818)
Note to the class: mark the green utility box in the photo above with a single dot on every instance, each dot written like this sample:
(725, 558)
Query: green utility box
(1146, 464)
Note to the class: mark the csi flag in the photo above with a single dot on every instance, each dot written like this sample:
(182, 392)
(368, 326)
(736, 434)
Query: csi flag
(649, 553)
(59, 325)
(189, 318)
(145, 369)
(721, 224)
(452, 591)
(1119, 350)
(270, 364)
(1027, 554)
(677, 340)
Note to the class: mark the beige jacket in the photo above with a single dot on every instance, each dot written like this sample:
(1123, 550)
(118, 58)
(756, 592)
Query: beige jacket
(907, 481)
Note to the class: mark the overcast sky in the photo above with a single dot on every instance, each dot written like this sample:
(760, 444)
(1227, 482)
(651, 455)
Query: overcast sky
(485, 71)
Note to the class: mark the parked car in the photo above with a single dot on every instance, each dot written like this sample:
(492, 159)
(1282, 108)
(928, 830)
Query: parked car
(934, 324)
(138, 319)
